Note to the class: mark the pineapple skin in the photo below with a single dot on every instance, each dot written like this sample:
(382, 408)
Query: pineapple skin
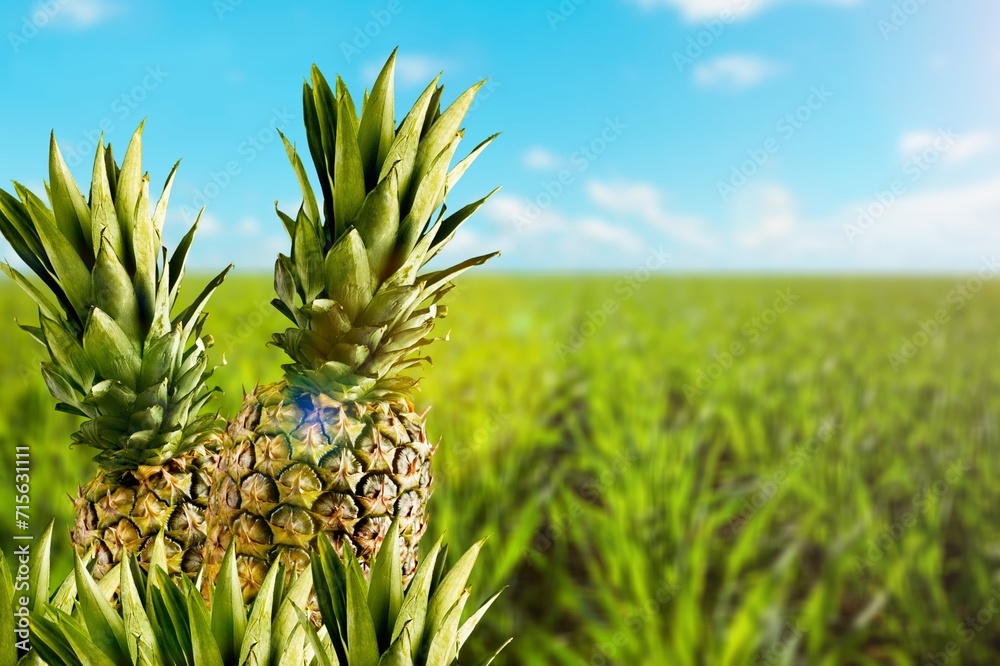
(297, 465)
(123, 513)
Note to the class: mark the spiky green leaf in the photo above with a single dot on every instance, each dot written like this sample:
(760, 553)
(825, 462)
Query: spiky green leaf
(128, 186)
(69, 208)
(257, 641)
(451, 587)
(39, 571)
(348, 171)
(308, 198)
(377, 128)
(228, 617)
(104, 624)
(363, 649)
(140, 635)
(385, 596)
(204, 650)
(113, 354)
(413, 613)
(114, 293)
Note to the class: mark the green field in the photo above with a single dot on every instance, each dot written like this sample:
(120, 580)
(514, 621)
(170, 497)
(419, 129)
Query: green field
(674, 471)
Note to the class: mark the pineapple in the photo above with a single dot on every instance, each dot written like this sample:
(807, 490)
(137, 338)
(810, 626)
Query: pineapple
(337, 447)
(117, 358)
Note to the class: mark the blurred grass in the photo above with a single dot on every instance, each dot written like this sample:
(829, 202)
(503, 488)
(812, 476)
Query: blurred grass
(807, 504)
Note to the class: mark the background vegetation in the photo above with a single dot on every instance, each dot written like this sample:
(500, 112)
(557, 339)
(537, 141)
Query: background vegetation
(672, 470)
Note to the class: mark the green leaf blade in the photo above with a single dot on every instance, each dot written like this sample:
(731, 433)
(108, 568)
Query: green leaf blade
(72, 215)
(385, 596)
(228, 616)
(377, 128)
(106, 628)
(348, 170)
(361, 638)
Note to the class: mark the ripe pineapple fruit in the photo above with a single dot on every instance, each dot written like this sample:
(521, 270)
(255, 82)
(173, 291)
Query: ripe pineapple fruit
(116, 357)
(337, 447)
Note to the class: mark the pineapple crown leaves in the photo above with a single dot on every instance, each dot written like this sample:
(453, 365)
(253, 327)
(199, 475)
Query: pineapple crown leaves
(116, 356)
(378, 622)
(41, 594)
(351, 284)
(160, 620)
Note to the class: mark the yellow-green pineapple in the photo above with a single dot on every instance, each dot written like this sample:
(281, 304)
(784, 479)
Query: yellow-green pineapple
(116, 356)
(337, 446)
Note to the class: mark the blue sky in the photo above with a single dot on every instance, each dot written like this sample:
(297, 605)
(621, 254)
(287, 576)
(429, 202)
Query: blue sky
(772, 135)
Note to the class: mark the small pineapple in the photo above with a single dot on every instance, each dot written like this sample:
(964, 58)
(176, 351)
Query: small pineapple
(337, 446)
(117, 358)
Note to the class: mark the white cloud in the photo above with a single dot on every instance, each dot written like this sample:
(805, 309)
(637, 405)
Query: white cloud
(912, 143)
(948, 228)
(696, 10)
(80, 13)
(775, 219)
(952, 228)
(954, 149)
(542, 159)
(547, 237)
(258, 254)
(411, 69)
(646, 202)
(936, 227)
(701, 10)
(249, 226)
(416, 69)
(503, 209)
(466, 244)
(938, 62)
(623, 197)
(734, 72)
(609, 235)
(209, 225)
